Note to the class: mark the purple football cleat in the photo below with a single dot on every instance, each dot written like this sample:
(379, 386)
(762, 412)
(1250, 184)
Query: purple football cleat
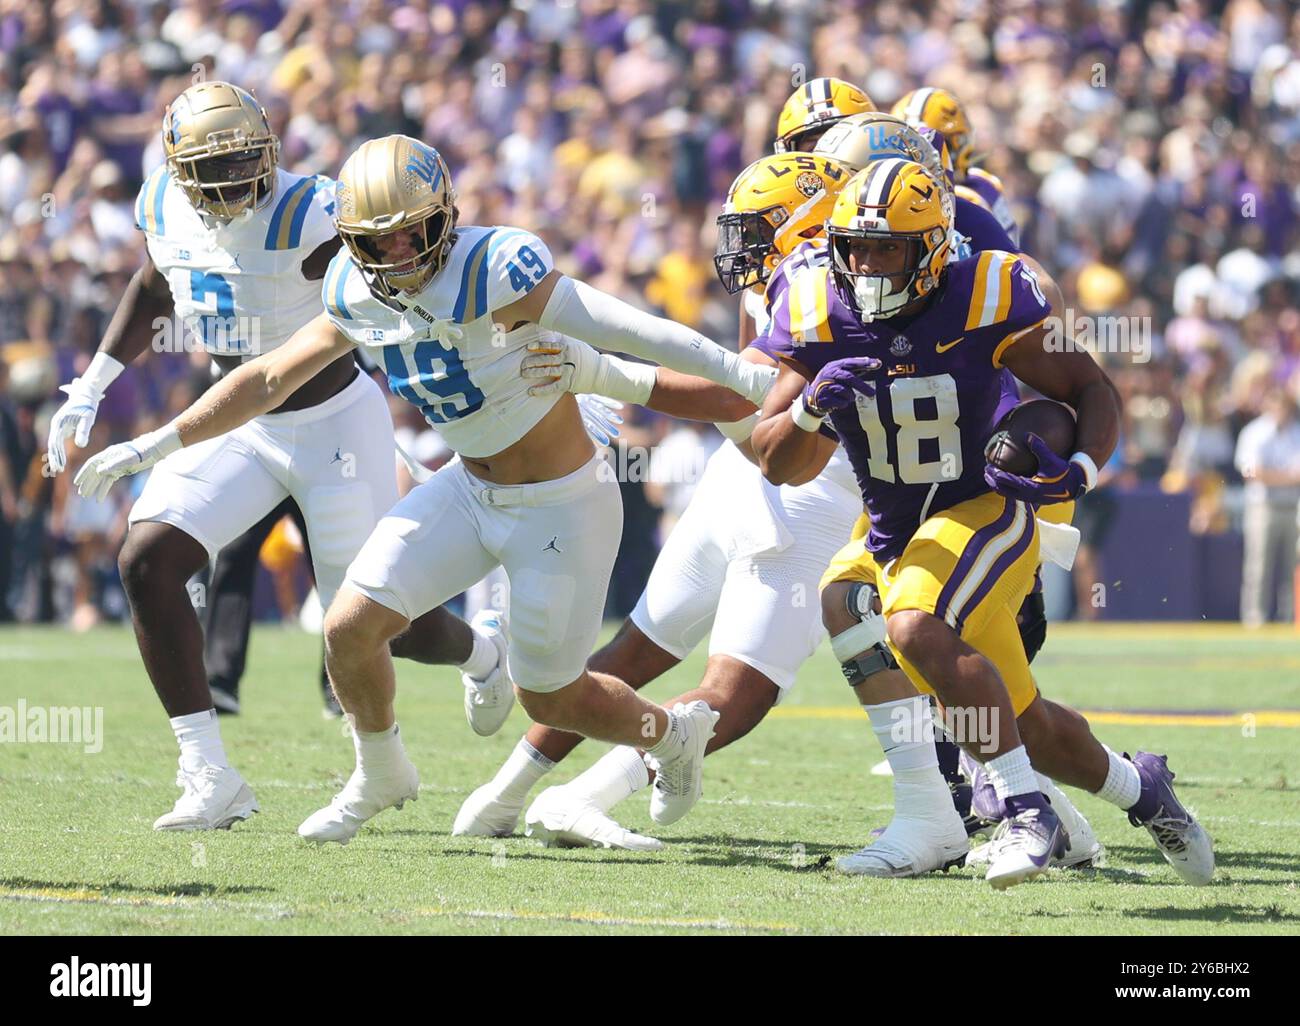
(986, 808)
(1181, 840)
(1025, 843)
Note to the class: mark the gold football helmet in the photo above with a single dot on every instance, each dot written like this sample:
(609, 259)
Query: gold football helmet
(773, 205)
(906, 213)
(220, 149)
(939, 109)
(814, 107)
(391, 186)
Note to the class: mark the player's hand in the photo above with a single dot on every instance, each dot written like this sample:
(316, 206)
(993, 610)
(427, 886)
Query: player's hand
(99, 472)
(835, 384)
(1057, 480)
(600, 417)
(560, 364)
(73, 419)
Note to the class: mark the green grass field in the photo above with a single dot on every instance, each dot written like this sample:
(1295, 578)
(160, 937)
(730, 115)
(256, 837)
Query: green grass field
(77, 854)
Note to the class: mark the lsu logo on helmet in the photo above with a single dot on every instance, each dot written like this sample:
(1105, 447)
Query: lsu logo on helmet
(814, 107)
(220, 149)
(905, 211)
(942, 111)
(396, 213)
(773, 205)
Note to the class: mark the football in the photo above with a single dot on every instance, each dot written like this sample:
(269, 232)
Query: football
(1051, 421)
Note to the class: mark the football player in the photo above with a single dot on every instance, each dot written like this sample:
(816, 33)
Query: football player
(940, 110)
(237, 248)
(450, 310)
(856, 141)
(742, 563)
(813, 108)
(902, 352)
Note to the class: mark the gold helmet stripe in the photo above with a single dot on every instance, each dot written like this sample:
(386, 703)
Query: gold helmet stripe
(880, 181)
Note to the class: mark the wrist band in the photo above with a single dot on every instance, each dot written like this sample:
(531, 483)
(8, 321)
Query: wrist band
(101, 373)
(1089, 469)
(802, 417)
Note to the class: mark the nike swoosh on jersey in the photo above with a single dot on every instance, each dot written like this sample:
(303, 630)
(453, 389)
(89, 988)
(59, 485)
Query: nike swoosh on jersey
(943, 347)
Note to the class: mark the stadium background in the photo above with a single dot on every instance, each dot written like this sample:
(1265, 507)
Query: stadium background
(1150, 151)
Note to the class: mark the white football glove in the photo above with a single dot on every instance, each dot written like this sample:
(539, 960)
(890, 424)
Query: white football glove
(99, 472)
(73, 419)
(600, 417)
(560, 364)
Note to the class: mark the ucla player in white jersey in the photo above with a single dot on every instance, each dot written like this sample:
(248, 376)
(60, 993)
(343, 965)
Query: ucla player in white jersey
(237, 248)
(742, 565)
(449, 311)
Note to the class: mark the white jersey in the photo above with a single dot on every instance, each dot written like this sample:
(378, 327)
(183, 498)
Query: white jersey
(439, 347)
(239, 287)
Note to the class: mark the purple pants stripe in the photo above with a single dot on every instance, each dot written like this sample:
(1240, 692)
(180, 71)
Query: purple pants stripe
(970, 554)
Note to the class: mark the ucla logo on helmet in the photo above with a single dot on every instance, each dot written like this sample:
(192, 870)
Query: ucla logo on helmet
(425, 164)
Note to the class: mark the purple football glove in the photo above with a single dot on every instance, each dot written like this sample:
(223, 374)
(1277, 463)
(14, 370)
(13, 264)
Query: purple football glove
(1057, 480)
(834, 385)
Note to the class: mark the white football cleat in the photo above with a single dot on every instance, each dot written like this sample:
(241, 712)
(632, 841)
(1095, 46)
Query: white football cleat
(679, 778)
(1083, 851)
(488, 702)
(882, 769)
(560, 819)
(215, 798)
(910, 847)
(486, 814)
(362, 798)
(1026, 843)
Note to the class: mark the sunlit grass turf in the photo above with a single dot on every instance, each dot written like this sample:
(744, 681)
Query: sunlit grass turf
(77, 853)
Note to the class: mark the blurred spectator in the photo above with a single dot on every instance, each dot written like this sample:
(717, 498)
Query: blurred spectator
(1268, 456)
(1150, 151)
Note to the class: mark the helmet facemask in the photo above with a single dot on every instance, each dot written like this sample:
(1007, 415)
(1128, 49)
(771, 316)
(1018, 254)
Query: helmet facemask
(387, 277)
(223, 185)
(880, 295)
(745, 242)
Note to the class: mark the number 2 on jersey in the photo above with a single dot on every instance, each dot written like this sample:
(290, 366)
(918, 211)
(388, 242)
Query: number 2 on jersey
(911, 431)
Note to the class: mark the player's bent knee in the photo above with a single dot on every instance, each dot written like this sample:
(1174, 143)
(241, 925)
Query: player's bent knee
(835, 614)
(354, 622)
(155, 556)
(915, 633)
(862, 647)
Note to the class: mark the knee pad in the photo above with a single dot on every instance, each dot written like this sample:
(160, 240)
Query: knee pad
(863, 650)
(1032, 622)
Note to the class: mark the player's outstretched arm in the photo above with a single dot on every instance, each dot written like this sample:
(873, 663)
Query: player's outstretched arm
(246, 392)
(1070, 376)
(147, 300)
(574, 308)
(563, 364)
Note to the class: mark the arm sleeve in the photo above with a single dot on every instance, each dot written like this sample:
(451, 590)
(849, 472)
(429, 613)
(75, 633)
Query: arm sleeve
(585, 313)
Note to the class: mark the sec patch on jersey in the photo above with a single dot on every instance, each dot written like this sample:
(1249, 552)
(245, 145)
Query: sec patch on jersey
(1008, 448)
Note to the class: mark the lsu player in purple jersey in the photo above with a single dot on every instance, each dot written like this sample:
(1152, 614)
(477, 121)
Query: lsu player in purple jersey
(902, 351)
(942, 111)
(740, 566)
(856, 141)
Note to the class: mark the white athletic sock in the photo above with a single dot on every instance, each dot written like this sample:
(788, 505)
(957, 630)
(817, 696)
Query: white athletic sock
(1070, 817)
(905, 730)
(521, 770)
(1012, 774)
(1123, 786)
(378, 752)
(483, 657)
(200, 739)
(619, 773)
(671, 740)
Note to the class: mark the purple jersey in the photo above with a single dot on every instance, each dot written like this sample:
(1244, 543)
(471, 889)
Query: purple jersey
(917, 446)
(989, 188)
